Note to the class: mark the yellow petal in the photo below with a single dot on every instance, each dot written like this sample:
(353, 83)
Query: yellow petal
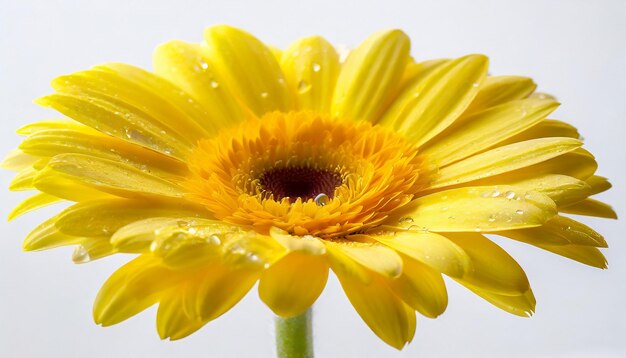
(487, 208)
(103, 175)
(598, 184)
(105, 217)
(371, 76)
(172, 320)
(185, 65)
(562, 189)
(587, 255)
(493, 269)
(504, 159)
(47, 236)
(46, 125)
(23, 180)
(221, 288)
(559, 230)
(119, 119)
(291, 285)
(384, 313)
(430, 249)
(434, 103)
(306, 244)
(51, 142)
(311, 66)
(421, 288)
(249, 68)
(131, 289)
(485, 129)
(17, 160)
(543, 129)
(105, 83)
(179, 242)
(360, 259)
(496, 90)
(590, 207)
(66, 187)
(522, 305)
(34, 202)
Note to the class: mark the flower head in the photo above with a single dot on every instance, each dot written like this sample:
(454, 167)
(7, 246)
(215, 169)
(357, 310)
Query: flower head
(235, 163)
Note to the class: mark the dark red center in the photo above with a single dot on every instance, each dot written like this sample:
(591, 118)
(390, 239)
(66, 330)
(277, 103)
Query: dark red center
(299, 182)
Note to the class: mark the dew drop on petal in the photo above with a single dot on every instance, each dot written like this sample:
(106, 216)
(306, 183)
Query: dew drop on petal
(303, 86)
(316, 67)
(264, 94)
(509, 195)
(321, 199)
(204, 65)
(495, 194)
(214, 84)
(519, 212)
(80, 255)
(406, 220)
(491, 218)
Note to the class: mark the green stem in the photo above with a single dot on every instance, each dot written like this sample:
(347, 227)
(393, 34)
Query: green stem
(294, 336)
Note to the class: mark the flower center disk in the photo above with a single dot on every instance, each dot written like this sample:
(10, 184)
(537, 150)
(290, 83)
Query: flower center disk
(305, 173)
(299, 182)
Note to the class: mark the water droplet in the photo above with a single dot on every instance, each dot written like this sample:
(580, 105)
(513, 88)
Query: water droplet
(509, 194)
(316, 67)
(204, 65)
(406, 220)
(475, 84)
(214, 84)
(303, 86)
(452, 217)
(478, 229)
(264, 94)
(80, 255)
(519, 212)
(495, 194)
(321, 199)
(491, 218)
(214, 240)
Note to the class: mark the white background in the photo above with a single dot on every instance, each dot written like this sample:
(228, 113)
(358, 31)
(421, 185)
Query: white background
(573, 49)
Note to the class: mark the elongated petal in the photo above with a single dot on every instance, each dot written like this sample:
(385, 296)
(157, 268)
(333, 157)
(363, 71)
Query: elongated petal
(23, 180)
(290, 286)
(559, 230)
(47, 125)
(493, 269)
(106, 176)
(587, 255)
(371, 76)
(496, 90)
(249, 67)
(488, 208)
(562, 189)
(431, 249)
(66, 186)
(384, 313)
(590, 207)
(172, 320)
(105, 217)
(487, 128)
(131, 289)
(360, 259)
(17, 160)
(51, 142)
(522, 305)
(34, 202)
(311, 67)
(185, 65)
(47, 236)
(598, 184)
(107, 84)
(504, 159)
(434, 103)
(544, 129)
(221, 288)
(119, 119)
(421, 288)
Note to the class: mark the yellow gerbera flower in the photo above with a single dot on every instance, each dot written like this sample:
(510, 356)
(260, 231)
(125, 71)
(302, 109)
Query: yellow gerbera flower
(235, 163)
